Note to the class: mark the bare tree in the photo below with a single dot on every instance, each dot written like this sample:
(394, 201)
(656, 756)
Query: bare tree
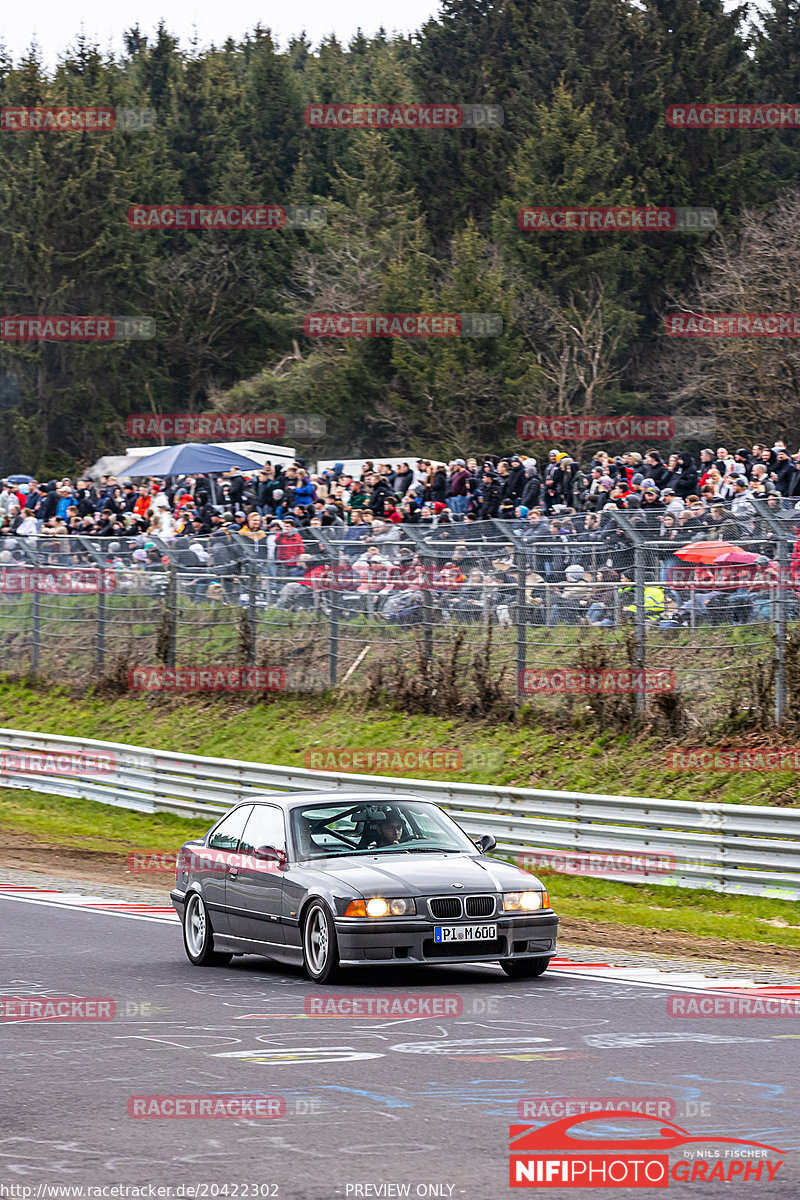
(750, 382)
(577, 347)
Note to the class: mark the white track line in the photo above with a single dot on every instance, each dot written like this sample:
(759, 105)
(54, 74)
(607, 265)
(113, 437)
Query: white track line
(75, 902)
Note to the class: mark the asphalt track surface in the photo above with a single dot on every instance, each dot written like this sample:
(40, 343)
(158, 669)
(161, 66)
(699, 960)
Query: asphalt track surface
(374, 1106)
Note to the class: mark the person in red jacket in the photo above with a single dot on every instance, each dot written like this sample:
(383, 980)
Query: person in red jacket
(288, 548)
(390, 512)
(143, 502)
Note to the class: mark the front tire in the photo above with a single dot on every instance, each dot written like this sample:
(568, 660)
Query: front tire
(320, 945)
(525, 968)
(198, 935)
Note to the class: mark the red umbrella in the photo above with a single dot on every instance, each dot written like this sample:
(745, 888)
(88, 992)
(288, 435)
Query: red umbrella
(707, 552)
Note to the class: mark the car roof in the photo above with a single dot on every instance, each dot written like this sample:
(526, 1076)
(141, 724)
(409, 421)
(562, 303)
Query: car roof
(298, 799)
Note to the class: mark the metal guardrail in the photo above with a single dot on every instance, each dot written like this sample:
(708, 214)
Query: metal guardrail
(731, 848)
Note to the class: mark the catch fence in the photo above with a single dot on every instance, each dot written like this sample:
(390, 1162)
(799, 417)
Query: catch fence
(571, 610)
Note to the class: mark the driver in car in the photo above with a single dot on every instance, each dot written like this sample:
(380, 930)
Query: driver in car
(389, 832)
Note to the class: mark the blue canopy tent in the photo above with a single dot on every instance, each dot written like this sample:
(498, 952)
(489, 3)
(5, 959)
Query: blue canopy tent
(192, 458)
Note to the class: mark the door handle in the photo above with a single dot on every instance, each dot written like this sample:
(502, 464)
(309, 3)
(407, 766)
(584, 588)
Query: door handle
(233, 872)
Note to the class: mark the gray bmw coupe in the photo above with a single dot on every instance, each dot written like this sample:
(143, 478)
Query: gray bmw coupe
(339, 879)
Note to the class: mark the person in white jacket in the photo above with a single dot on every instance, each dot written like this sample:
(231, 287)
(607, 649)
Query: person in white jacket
(28, 526)
(7, 498)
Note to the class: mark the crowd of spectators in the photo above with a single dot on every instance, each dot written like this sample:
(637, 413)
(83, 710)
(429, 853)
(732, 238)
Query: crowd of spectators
(500, 487)
(560, 513)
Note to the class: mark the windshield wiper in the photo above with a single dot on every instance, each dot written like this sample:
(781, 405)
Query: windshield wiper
(434, 850)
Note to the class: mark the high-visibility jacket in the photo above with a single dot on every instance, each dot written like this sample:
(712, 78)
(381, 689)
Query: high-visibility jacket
(655, 599)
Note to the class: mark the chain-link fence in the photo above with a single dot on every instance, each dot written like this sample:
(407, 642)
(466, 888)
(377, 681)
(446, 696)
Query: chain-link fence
(565, 609)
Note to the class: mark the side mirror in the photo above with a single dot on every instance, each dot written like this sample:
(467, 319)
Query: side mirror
(485, 843)
(270, 854)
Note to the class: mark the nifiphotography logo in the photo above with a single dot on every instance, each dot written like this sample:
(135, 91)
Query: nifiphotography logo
(553, 1156)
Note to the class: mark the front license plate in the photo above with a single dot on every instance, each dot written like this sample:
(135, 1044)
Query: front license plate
(464, 933)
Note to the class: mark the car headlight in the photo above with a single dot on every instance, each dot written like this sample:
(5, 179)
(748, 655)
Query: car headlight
(524, 901)
(378, 907)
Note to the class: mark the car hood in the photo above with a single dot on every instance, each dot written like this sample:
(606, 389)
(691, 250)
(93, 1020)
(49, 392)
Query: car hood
(398, 874)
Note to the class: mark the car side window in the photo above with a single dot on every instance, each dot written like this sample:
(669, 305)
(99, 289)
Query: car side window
(227, 833)
(265, 828)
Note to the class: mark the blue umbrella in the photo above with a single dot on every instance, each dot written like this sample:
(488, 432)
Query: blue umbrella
(192, 458)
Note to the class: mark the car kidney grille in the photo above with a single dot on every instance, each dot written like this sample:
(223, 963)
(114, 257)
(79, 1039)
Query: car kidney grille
(446, 906)
(480, 906)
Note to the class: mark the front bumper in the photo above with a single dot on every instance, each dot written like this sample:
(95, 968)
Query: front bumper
(524, 935)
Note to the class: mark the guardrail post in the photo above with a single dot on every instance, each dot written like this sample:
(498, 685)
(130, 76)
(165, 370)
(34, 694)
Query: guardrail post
(36, 633)
(333, 639)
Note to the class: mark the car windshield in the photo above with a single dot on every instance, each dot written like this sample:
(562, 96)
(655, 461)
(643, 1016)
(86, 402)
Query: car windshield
(375, 827)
